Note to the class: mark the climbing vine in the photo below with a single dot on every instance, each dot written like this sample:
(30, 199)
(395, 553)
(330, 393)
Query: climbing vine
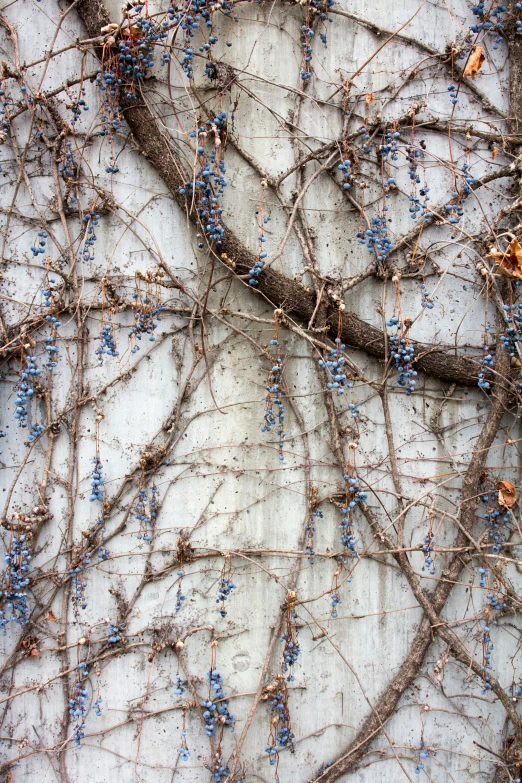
(261, 376)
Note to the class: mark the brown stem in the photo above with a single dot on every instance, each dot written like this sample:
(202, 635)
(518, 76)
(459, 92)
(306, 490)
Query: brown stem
(279, 290)
(409, 670)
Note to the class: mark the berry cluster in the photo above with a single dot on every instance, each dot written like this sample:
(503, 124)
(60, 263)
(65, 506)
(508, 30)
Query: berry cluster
(3, 104)
(334, 363)
(491, 20)
(97, 480)
(495, 603)
(390, 147)
(225, 587)
(412, 156)
(90, 221)
(513, 333)
(317, 10)
(426, 298)
(183, 751)
(291, 650)
(218, 768)
(80, 562)
(179, 592)
(36, 430)
(78, 705)
(306, 35)
(51, 347)
(376, 238)
(78, 105)
(452, 89)
(109, 85)
(366, 137)
(107, 342)
(125, 69)
(188, 16)
(427, 549)
(209, 182)
(67, 166)
(423, 754)
(216, 711)
(326, 765)
(146, 519)
(180, 685)
(274, 388)
(25, 390)
(135, 54)
(281, 734)
(114, 633)
(140, 512)
(402, 352)
(487, 651)
(335, 600)
(486, 362)
(256, 269)
(354, 411)
(50, 296)
(344, 167)
(498, 518)
(146, 319)
(467, 180)
(39, 246)
(14, 581)
(454, 208)
(353, 496)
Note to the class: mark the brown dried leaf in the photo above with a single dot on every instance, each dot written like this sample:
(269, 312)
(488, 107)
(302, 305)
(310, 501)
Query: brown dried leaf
(369, 98)
(29, 646)
(510, 262)
(50, 616)
(507, 494)
(476, 59)
(494, 153)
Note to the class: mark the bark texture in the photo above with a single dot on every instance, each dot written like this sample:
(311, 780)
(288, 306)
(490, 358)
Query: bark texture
(282, 292)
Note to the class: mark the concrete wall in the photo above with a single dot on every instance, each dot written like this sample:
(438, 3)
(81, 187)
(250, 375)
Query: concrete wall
(222, 484)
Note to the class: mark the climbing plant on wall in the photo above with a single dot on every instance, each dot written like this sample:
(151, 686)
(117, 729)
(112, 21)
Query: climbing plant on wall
(261, 377)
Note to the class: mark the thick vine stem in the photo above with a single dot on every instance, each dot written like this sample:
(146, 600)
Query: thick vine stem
(296, 301)
(435, 603)
(208, 502)
(282, 292)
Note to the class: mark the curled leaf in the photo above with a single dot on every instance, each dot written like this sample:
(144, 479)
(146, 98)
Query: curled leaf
(369, 98)
(507, 493)
(510, 262)
(475, 62)
(30, 646)
(109, 28)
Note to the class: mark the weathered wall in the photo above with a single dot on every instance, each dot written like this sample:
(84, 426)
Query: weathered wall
(221, 484)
